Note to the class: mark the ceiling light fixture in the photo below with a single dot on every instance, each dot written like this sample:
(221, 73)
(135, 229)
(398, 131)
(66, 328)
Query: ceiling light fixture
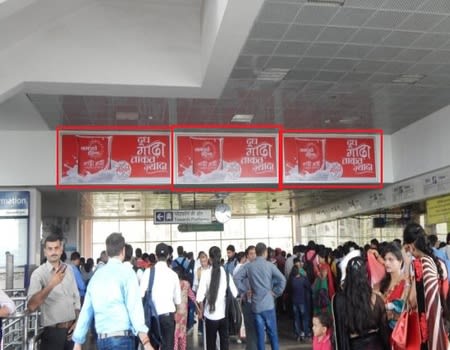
(127, 115)
(242, 118)
(272, 74)
(332, 2)
(408, 78)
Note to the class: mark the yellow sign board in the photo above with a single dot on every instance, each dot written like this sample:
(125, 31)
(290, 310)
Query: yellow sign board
(438, 210)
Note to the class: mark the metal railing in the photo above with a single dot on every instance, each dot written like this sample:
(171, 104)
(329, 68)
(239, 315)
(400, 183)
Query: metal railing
(21, 330)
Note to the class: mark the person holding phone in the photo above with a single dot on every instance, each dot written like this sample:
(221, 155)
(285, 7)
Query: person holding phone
(53, 289)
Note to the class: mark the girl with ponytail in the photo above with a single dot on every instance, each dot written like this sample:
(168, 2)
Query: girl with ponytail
(211, 296)
(429, 274)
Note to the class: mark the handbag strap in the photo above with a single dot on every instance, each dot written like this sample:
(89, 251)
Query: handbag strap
(228, 282)
(408, 287)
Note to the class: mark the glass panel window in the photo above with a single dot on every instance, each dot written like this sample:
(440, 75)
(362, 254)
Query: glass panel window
(102, 229)
(256, 227)
(205, 245)
(150, 247)
(132, 230)
(188, 246)
(209, 235)
(280, 226)
(15, 240)
(157, 233)
(234, 228)
(239, 246)
(97, 248)
(182, 236)
(282, 243)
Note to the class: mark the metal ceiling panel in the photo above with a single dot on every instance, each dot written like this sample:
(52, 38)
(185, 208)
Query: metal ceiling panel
(303, 33)
(316, 14)
(403, 5)
(371, 4)
(431, 41)
(269, 31)
(354, 51)
(401, 38)
(369, 66)
(322, 50)
(278, 12)
(421, 21)
(369, 36)
(386, 19)
(312, 63)
(384, 53)
(412, 55)
(342, 62)
(259, 47)
(291, 48)
(336, 34)
(281, 62)
(436, 6)
(351, 17)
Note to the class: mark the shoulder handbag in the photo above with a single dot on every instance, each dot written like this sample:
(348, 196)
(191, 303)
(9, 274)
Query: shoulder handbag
(233, 311)
(406, 333)
(150, 314)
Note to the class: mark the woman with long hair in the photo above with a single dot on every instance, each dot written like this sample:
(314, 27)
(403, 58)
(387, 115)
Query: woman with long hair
(360, 321)
(204, 265)
(393, 286)
(211, 296)
(429, 275)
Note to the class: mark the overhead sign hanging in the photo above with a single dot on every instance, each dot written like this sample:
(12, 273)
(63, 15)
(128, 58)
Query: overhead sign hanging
(113, 158)
(189, 216)
(322, 158)
(438, 210)
(232, 158)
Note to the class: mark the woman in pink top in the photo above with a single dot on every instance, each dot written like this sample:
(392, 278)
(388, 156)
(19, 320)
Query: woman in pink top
(322, 332)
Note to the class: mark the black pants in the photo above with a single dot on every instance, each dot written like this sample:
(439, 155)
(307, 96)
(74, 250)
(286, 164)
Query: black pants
(212, 327)
(167, 324)
(55, 339)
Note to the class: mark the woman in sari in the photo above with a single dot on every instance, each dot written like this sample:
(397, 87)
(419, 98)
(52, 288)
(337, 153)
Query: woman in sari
(429, 275)
(393, 286)
(359, 314)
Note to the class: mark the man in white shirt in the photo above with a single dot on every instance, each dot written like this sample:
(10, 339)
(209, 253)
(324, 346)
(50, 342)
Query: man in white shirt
(166, 295)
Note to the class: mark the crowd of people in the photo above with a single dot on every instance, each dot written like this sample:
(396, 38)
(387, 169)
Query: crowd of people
(348, 298)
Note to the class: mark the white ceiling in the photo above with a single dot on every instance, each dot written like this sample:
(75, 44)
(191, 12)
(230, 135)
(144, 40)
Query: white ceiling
(341, 62)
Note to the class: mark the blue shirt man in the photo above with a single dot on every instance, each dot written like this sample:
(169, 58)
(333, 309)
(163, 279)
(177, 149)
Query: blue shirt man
(266, 283)
(113, 298)
(75, 265)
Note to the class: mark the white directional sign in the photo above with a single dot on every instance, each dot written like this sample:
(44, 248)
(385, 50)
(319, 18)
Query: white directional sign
(191, 216)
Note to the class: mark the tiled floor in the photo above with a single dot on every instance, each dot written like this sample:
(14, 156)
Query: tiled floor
(287, 340)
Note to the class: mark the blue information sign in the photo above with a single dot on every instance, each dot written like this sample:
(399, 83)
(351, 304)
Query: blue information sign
(14, 203)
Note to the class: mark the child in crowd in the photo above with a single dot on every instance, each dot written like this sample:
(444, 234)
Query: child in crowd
(322, 332)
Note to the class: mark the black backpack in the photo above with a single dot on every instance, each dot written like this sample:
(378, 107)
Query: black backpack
(233, 311)
(151, 316)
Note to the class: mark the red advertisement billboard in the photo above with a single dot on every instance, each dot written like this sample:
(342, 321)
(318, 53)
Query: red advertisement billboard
(207, 158)
(113, 158)
(320, 158)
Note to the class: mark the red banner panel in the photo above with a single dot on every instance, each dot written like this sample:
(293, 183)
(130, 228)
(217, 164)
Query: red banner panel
(226, 158)
(330, 159)
(110, 158)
